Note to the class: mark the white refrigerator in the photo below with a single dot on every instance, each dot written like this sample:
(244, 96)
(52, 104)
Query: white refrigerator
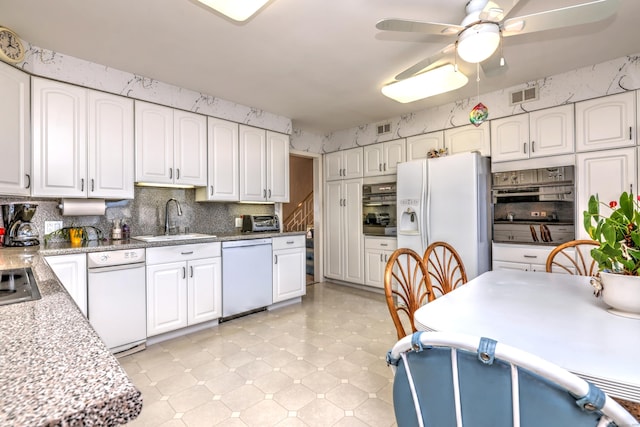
(447, 199)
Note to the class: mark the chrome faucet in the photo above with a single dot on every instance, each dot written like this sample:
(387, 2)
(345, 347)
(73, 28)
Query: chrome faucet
(166, 214)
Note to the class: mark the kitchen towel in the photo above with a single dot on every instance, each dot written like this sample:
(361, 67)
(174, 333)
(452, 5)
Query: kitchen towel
(78, 207)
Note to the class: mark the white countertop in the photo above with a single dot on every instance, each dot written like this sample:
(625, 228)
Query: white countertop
(554, 316)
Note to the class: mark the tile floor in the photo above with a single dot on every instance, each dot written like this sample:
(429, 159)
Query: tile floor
(318, 363)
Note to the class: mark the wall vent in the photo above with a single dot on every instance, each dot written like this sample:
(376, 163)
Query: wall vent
(524, 95)
(383, 128)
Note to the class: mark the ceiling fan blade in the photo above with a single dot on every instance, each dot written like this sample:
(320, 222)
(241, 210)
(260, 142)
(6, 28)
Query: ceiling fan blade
(431, 60)
(567, 16)
(496, 12)
(405, 25)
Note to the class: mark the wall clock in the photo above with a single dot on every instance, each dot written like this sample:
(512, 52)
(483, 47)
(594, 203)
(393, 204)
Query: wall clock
(11, 48)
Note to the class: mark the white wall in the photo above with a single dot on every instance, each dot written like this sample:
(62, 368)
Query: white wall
(69, 69)
(598, 80)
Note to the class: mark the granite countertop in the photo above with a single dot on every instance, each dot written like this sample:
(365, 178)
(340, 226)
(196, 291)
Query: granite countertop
(54, 369)
(62, 248)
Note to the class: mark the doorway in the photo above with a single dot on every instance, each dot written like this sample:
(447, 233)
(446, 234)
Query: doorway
(302, 213)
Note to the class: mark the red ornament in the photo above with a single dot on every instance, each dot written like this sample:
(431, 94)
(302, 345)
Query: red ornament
(613, 204)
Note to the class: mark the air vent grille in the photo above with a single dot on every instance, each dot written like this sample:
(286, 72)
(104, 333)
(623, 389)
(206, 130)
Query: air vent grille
(383, 128)
(524, 95)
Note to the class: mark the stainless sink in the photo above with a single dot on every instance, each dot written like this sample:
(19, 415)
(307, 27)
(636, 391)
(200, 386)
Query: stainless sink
(18, 285)
(172, 237)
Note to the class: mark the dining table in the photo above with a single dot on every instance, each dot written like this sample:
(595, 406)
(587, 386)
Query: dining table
(554, 316)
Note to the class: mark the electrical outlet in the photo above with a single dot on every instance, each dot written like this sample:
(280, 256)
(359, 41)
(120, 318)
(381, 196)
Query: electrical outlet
(51, 226)
(535, 213)
(239, 222)
(543, 213)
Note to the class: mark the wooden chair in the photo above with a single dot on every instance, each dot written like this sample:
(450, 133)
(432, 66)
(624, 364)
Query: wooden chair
(577, 264)
(405, 288)
(444, 267)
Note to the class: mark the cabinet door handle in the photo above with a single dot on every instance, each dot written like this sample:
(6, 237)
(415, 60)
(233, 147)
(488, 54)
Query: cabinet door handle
(533, 146)
(269, 193)
(380, 167)
(28, 181)
(93, 186)
(524, 147)
(190, 271)
(82, 184)
(381, 258)
(177, 173)
(384, 166)
(630, 132)
(344, 172)
(386, 258)
(211, 190)
(264, 193)
(275, 260)
(170, 173)
(184, 272)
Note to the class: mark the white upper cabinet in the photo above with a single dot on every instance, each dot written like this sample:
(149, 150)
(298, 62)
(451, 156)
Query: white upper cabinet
(343, 164)
(510, 138)
(110, 147)
(223, 182)
(607, 122)
(468, 138)
(15, 131)
(171, 146)
(383, 158)
(59, 139)
(190, 148)
(551, 131)
(264, 165)
(547, 132)
(82, 142)
(419, 146)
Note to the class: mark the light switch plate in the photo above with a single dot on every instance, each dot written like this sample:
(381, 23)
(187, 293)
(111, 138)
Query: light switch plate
(51, 226)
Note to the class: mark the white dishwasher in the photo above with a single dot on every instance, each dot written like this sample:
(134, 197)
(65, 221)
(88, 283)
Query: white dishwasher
(247, 276)
(117, 298)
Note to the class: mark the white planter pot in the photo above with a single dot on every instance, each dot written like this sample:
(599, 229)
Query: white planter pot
(622, 294)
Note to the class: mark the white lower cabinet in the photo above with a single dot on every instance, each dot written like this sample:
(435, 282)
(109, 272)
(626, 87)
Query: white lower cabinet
(520, 257)
(72, 273)
(184, 286)
(377, 251)
(288, 267)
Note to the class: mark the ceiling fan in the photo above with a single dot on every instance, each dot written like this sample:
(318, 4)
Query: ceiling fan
(481, 31)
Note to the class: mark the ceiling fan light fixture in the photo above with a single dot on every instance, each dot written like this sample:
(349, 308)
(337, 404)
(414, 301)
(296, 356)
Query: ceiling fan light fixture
(433, 82)
(478, 42)
(234, 9)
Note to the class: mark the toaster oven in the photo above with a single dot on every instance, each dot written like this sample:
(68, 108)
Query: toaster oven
(257, 223)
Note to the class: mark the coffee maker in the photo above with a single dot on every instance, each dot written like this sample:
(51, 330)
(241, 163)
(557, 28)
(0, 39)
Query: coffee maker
(19, 231)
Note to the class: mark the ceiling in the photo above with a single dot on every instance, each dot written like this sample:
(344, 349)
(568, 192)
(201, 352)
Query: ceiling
(319, 62)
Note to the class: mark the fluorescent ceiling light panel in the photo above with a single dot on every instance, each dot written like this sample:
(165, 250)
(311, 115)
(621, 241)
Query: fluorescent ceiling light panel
(433, 82)
(238, 10)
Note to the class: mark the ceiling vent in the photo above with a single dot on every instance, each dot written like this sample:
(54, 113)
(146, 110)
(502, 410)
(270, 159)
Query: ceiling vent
(524, 95)
(383, 128)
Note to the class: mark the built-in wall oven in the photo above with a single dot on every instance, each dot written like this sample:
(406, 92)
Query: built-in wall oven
(379, 209)
(534, 206)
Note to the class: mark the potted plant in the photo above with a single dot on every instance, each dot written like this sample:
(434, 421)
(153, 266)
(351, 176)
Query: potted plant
(618, 255)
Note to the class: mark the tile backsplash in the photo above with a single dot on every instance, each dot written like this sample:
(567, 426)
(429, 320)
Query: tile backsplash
(145, 213)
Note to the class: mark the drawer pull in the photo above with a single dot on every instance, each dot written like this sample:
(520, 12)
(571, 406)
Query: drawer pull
(290, 242)
(531, 256)
(186, 253)
(384, 244)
